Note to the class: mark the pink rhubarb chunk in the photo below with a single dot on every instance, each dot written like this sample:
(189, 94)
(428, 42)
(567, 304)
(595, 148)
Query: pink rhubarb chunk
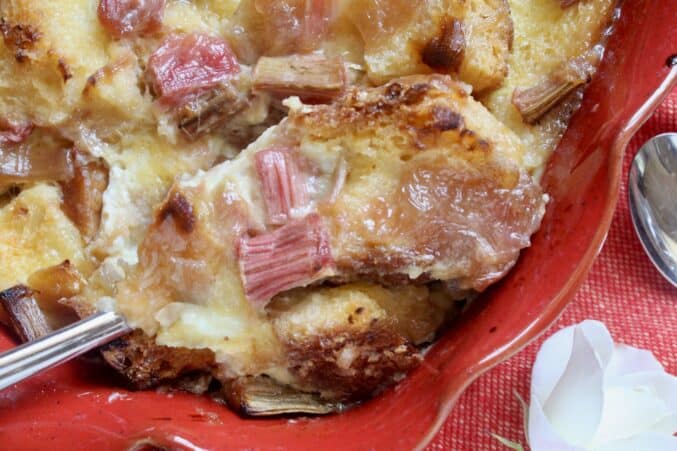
(127, 17)
(185, 66)
(294, 255)
(282, 183)
(294, 26)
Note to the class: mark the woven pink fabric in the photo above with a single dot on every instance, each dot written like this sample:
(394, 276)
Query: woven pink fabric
(623, 290)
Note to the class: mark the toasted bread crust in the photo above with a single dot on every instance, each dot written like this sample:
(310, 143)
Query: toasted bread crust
(379, 356)
(145, 364)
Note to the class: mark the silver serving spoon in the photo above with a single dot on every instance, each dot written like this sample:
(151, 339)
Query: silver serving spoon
(652, 192)
(60, 346)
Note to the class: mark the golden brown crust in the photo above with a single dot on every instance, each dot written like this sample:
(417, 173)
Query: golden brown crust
(401, 103)
(445, 51)
(376, 357)
(19, 37)
(424, 107)
(348, 342)
(433, 140)
(145, 364)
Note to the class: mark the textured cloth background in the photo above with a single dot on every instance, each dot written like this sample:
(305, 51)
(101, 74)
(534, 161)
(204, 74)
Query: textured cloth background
(623, 290)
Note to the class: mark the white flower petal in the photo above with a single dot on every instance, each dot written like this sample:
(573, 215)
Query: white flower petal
(542, 436)
(552, 358)
(574, 407)
(649, 441)
(550, 363)
(600, 339)
(663, 384)
(589, 394)
(634, 407)
(626, 360)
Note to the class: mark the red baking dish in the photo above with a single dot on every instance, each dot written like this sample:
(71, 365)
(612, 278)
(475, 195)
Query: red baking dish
(78, 406)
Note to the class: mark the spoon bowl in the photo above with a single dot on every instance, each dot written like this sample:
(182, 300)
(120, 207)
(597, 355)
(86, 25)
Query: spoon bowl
(652, 192)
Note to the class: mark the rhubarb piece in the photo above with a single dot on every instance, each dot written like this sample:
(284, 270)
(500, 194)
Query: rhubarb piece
(13, 131)
(262, 396)
(192, 76)
(185, 66)
(445, 52)
(25, 315)
(281, 27)
(22, 164)
(127, 17)
(317, 18)
(294, 255)
(314, 78)
(283, 185)
(536, 101)
(83, 193)
(206, 111)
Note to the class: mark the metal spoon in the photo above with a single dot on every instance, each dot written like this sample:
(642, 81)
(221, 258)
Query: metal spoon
(60, 346)
(652, 192)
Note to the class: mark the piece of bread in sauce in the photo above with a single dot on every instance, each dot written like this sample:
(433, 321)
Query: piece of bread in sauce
(415, 38)
(348, 341)
(36, 233)
(50, 49)
(546, 37)
(191, 288)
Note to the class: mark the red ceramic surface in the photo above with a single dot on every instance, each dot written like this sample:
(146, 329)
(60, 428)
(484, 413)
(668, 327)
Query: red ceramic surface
(79, 407)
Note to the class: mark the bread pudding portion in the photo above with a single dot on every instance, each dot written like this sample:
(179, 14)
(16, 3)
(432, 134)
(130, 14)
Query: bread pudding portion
(333, 246)
(291, 198)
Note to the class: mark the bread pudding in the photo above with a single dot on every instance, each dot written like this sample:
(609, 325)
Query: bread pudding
(288, 200)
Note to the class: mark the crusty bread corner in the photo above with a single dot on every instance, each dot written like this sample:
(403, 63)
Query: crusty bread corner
(487, 26)
(416, 113)
(49, 49)
(489, 34)
(545, 37)
(145, 364)
(349, 341)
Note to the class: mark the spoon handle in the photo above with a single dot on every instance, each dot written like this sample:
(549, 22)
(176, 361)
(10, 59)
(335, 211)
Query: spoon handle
(60, 346)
